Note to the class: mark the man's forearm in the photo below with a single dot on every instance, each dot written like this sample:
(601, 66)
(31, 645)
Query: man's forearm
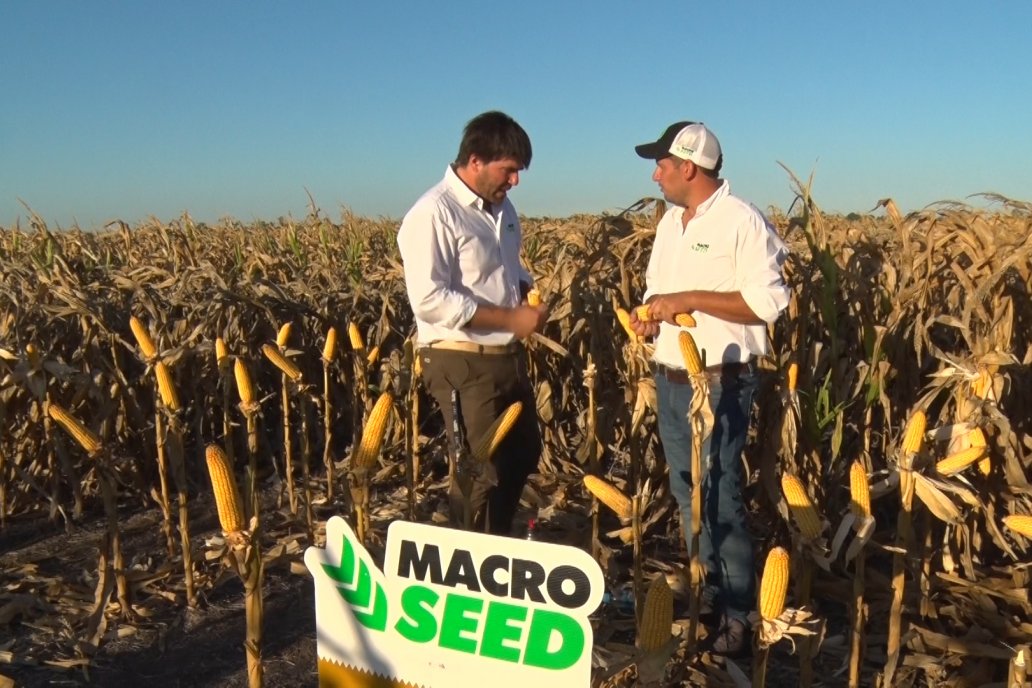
(488, 317)
(729, 306)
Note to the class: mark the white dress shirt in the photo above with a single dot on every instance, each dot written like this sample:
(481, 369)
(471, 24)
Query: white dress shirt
(727, 246)
(458, 253)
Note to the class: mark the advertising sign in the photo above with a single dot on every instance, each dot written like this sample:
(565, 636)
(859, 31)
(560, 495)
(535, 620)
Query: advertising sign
(452, 609)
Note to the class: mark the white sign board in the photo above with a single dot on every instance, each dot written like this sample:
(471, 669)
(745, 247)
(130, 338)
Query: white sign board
(452, 609)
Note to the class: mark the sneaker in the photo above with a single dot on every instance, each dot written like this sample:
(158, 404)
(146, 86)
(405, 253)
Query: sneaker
(732, 639)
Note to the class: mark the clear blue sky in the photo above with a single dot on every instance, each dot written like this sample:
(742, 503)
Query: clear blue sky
(136, 109)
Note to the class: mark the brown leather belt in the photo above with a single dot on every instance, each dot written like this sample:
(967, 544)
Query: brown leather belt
(473, 347)
(680, 376)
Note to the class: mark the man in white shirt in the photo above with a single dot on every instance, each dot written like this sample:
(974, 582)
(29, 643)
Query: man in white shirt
(717, 258)
(460, 244)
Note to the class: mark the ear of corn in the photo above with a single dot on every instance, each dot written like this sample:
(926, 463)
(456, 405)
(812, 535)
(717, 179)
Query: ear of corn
(245, 388)
(859, 490)
(982, 384)
(682, 319)
(534, 297)
(166, 387)
(793, 376)
(221, 352)
(355, 335)
(954, 463)
(283, 336)
(227, 497)
(143, 338)
(1020, 524)
(285, 365)
(913, 435)
(330, 348)
(801, 507)
(625, 321)
(374, 355)
(86, 438)
(774, 584)
(373, 433)
(977, 438)
(689, 352)
(499, 429)
(609, 495)
(658, 615)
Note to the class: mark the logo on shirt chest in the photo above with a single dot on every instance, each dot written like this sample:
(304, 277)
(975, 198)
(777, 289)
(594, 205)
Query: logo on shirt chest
(510, 227)
(700, 248)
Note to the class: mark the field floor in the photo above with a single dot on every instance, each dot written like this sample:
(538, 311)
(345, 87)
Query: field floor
(49, 575)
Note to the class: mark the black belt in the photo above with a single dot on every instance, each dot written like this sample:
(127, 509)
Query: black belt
(719, 371)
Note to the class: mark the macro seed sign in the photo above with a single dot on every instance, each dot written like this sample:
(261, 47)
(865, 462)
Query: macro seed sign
(452, 609)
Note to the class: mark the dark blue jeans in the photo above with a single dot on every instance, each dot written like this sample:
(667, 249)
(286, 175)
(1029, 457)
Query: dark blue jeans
(725, 547)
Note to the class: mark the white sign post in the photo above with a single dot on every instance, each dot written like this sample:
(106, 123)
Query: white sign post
(452, 609)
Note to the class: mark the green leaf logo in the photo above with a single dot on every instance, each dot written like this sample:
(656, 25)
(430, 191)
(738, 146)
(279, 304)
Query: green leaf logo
(355, 584)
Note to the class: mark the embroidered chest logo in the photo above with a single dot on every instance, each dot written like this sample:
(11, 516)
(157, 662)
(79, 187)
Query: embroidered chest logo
(700, 248)
(510, 227)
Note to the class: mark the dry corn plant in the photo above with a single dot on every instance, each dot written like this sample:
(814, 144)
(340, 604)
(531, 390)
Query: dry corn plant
(329, 354)
(241, 553)
(700, 417)
(111, 547)
(250, 407)
(289, 373)
(364, 458)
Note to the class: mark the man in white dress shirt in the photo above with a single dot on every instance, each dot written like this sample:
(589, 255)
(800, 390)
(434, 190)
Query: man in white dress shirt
(717, 258)
(460, 244)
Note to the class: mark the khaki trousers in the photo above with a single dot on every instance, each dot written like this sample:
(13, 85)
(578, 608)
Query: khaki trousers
(487, 384)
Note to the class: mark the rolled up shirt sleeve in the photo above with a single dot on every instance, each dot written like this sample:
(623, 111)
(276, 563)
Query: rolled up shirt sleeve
(761, 256)
(428, 252)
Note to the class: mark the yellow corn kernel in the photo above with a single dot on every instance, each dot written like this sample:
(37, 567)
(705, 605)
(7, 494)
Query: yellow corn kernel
(801, 507)
(689, 352)
(221, 352)
(330, 348)
(373, 432)
(859, 491)
(609, 495)
(245, 388)
(285, 365)
(774, 584)
(954, 463)
(86, 438)
(283, 336)
(227, 497)
(355, 335)
(657, 616)
(1020, 524)
(143, 338)
(913, 435)
(793, 376)
(533, 297)
(499, 429)
(166, 387)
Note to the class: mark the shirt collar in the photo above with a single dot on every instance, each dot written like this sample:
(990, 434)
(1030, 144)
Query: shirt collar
(723, 191)
(466, 195)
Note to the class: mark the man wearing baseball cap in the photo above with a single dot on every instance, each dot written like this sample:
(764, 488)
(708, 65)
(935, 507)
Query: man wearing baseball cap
(717, 258)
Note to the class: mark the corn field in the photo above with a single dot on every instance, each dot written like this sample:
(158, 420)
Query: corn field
(888, 469)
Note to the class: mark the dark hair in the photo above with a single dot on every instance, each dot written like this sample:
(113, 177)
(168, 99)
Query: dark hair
(493, 136)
